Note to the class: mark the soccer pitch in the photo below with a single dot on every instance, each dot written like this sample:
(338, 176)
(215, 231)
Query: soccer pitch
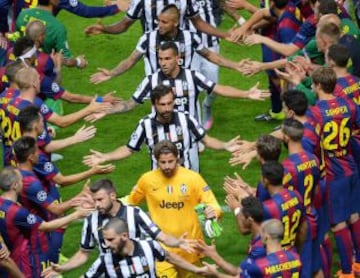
(231, 117)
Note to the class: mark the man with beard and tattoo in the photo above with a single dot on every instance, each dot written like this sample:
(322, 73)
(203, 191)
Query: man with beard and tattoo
(139, 226)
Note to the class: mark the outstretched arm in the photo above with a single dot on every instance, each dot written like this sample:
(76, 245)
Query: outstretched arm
(104, 74)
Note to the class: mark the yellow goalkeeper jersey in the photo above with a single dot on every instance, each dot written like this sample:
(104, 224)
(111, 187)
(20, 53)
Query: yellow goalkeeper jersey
(171, 202)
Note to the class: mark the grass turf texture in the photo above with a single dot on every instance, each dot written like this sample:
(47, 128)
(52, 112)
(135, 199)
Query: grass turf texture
(231, 117)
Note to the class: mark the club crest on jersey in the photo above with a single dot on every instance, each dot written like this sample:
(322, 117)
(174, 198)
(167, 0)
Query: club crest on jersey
(31, 219)
(44, 108)
(143, 261)
(183, 189)
(184, 85)
(73, 3)
(41, 196)
(55, 87)
(48, 167)
(134, 136)
(170, 189)
(178, 130)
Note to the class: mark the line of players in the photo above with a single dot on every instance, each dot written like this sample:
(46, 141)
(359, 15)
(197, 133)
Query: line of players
(32, 86)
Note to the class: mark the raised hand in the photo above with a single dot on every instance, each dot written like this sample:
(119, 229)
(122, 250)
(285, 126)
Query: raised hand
(98, 107)
(95, 117)
(94, 158)
(231, 145)
(94, 29)
(242, 158)
(110, 97)
(101, 76)
(103, 169)
(84, 133)
(256, 94)
(253, 39)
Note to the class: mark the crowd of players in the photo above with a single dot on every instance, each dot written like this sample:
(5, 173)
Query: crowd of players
(311, 55)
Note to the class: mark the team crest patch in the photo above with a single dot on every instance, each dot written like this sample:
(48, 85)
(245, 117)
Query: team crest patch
(31, 219)
(183, 189)
(134, 136)
(143, 261)
(55, 87)
(43, 135)
(44, 109)
(48, 167)
(41, 196)
(73, 3)
(178, 130)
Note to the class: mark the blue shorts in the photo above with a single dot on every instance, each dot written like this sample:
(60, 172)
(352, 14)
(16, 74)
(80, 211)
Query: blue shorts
(340, 199)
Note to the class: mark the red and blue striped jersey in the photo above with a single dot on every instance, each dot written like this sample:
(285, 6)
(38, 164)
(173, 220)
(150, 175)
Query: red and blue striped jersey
(282, 263)
(18, 229)
(256, 250)
(306, 32)
(335, 120)
(45, 64)
(10, 127)
(302, 173)
(287, 206)
(349, 86)
(288, 23)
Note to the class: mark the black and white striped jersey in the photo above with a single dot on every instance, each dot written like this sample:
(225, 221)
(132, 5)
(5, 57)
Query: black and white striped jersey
(148, 10)
(186, 86)
(139, 224)
(187, 42)
(182, 130)
(141, 264)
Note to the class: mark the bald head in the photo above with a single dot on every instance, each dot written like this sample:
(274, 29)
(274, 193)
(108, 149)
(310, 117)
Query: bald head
(273, 228)
(35, 30)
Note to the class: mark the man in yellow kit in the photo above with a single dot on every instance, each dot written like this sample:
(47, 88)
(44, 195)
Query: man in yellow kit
(171, 193)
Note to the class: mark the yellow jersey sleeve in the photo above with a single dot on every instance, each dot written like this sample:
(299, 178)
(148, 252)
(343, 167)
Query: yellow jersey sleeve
(138, 193)
(207, 197)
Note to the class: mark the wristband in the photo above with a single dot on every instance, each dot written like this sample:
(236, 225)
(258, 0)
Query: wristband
(241, 20)
(78, 62)
(237, 211)
(99, 99)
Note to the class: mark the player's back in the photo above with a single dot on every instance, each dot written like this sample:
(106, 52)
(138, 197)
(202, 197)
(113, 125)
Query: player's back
(303, 175)
(286, 206)
(285, 264)
(10, 127)
(334, 119)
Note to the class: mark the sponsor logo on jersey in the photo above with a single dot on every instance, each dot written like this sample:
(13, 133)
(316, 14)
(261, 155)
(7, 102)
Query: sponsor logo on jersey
(172, 205)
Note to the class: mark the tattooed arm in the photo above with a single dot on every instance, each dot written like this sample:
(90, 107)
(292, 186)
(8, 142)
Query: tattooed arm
(124, 106)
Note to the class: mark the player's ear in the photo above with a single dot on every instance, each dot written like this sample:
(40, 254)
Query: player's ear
(113, 195)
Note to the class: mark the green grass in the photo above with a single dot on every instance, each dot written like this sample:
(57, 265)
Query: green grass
(232, 117)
